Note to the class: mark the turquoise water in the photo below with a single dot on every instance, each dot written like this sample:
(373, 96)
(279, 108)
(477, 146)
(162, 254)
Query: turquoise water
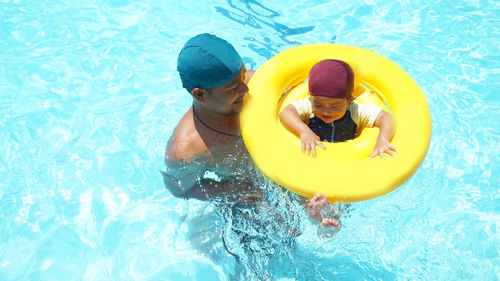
(89, 95)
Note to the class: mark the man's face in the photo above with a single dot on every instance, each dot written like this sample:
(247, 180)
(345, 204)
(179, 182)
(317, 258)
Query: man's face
(228, 98)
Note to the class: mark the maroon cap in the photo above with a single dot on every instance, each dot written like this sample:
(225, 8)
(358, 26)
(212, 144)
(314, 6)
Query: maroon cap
(331, 78)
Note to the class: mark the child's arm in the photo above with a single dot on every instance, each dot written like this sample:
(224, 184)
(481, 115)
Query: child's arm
(290, 118)
(387, 125)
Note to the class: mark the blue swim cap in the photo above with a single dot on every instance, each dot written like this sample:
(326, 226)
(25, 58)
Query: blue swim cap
(207, 61)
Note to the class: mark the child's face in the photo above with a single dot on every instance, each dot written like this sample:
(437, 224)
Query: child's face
(329, 109)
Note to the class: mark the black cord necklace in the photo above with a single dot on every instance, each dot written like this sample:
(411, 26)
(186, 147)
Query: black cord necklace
(196, 115)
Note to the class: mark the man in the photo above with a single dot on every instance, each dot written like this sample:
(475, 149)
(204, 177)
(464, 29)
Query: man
(206, 157)
(205, 154)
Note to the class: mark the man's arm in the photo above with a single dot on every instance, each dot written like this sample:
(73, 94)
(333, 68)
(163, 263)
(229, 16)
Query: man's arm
(184, 176)
(183, 167)
(178, 183)
(192, 184)
(189, 187)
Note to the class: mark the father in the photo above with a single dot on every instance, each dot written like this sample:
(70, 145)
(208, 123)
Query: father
(205, 155)
(205, 152)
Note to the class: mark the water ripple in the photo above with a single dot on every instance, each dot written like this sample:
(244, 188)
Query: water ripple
(89, 95)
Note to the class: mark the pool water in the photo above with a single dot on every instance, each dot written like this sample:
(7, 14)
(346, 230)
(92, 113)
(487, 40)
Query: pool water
(89, 95)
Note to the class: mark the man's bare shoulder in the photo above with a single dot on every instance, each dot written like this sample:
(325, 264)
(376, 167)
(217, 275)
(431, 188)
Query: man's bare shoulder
(185, 142)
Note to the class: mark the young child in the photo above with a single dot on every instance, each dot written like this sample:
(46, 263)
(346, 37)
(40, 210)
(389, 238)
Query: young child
(330, 114)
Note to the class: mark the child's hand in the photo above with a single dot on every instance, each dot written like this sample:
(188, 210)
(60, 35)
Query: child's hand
(383, 146)
(309, 142)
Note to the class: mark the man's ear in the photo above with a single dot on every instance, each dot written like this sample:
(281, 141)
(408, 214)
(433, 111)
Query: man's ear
(199, 94)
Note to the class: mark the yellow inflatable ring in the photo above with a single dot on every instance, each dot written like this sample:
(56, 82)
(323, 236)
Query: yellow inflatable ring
(344, 171)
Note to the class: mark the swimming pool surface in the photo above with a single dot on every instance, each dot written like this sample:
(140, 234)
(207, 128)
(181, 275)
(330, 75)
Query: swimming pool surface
(89, 95)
